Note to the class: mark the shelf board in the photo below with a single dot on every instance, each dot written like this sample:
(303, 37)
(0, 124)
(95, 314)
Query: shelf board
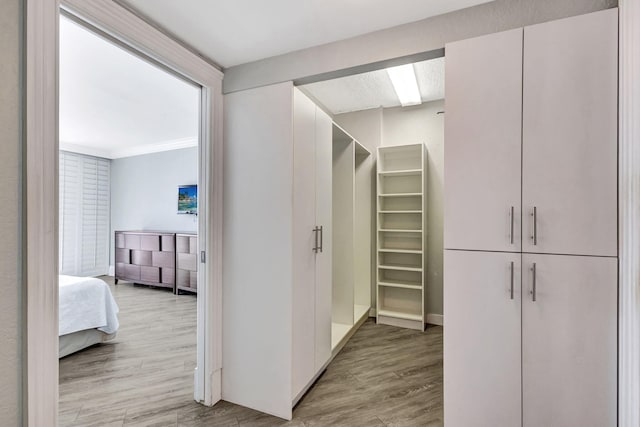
(401, 212)
(398, 230)
(399, 267)
(401, 172)
(401, 195)
(400, 314)
(406, 285)
(401, 251)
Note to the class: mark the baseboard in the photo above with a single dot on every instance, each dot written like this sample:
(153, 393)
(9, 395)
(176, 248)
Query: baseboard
(112, 270)
(435, 319)
(372, 312)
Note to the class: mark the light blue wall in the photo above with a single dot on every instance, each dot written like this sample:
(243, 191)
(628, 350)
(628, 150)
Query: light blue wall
(144, 191)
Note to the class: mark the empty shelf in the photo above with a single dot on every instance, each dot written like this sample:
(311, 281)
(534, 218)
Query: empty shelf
(400, 195)
(399, 267)
(398, 230)
(406, 285)
(401, 172)
(401, 212)
(401, 251)
(400, 314)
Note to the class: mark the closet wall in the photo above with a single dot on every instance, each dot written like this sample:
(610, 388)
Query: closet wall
(409, 125)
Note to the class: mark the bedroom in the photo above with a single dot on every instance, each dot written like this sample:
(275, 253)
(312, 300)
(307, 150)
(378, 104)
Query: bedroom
(128, 228)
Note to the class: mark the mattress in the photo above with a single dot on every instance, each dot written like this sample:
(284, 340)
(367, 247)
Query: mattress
(85, 305)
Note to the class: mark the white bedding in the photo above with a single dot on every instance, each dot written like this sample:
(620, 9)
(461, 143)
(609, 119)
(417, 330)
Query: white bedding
(86, 303)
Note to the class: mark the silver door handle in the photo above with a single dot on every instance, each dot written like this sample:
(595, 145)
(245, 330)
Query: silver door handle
(533, 287)
(511, 279)
(321, 238)
(535, 225)
(316, 247)
(511, 227)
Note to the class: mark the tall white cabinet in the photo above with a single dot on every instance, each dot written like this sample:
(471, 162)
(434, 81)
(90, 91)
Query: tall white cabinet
(530, 280)
(281, 231)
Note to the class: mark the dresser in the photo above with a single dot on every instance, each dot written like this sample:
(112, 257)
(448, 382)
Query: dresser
(186, 263)
(146, 257)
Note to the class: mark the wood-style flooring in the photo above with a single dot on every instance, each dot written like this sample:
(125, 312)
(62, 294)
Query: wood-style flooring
(384, 376)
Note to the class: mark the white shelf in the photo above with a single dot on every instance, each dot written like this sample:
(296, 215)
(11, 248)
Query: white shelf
(400, 285)
(401, 212)
(401, 195)
(401, 172)
(401, 251)
(400, 314)
(398, 230)
(399, 267)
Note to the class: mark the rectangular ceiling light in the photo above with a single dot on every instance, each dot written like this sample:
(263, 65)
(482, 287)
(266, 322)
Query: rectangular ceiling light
(405, 84)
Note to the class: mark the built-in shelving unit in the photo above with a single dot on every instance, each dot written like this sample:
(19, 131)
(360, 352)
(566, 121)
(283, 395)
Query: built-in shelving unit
(352, 223)
(401, 238)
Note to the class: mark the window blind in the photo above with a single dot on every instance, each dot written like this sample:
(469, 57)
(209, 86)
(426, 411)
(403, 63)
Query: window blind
(84, 214)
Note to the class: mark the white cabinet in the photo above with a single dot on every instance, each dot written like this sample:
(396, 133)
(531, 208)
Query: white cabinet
(482, 364)
(568, 217)
(311, 240)
(569, 160)
(483, 143)
(277, 288)
(569, 341)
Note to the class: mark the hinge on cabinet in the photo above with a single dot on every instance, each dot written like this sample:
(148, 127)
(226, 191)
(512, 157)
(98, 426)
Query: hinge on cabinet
(203, 257)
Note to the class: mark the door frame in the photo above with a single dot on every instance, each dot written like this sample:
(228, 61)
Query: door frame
(40, 172)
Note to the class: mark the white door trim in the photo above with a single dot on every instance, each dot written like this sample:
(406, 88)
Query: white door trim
(629, 200)
(41, 201)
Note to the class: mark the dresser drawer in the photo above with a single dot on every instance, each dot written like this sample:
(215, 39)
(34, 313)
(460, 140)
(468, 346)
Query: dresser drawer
(150, 274)
(150, 242)
(163, 259)
(168, 244)
(131, 272)
(184, 278)
(120, 240)
(132, 241)
(193, 279)
(123, 256)
(168, 276)
(141, 258)
(188, 262)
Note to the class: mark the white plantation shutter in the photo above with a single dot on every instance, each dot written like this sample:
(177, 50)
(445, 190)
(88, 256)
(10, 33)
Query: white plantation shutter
(84, 214)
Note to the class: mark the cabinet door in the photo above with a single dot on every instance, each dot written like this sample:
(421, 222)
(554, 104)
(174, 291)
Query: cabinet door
(569, 341)
(570, 135)
(323, 218)
(482, 151)
(482, 363)
(304, 221)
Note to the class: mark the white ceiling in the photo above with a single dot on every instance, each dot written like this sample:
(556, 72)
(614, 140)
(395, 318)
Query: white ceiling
(240, 31)
(114, 104)
(374, 89)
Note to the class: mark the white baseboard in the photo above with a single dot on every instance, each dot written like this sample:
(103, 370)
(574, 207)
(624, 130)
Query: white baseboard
(112, 270)
(435, 319)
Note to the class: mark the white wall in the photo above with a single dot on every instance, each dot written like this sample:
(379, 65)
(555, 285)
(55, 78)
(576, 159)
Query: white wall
(144, 191)
(409, 39)
(419, 124)
(10, 213)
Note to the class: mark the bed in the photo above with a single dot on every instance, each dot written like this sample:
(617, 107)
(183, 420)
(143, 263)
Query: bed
(88, 314)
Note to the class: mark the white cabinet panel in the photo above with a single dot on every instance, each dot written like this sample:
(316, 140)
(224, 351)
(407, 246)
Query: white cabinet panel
(304, 221)
(483, 142)
(570, 135)
(323, 218)
(569, 341)
(482, 362)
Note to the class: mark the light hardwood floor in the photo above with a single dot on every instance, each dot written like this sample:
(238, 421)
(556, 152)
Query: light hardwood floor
(384, 376)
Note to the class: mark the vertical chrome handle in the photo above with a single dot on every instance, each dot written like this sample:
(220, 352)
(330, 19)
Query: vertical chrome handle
(512, 279)
(533, 287)
(535, 225)
(315, 240)
(321, 238)
(511, 228)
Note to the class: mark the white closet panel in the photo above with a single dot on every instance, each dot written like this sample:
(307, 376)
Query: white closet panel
(569, 341)
(482, 365)
(570, 135)
(84, 214)
(483, 143)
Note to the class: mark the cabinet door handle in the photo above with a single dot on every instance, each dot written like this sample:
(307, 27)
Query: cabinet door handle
(316, 247)
(511, 227)
(533, 287)
(535, 225)
(321, 238)
(511, 279)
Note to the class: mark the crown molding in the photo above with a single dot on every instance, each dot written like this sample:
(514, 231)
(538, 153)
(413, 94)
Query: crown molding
(136, 150)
